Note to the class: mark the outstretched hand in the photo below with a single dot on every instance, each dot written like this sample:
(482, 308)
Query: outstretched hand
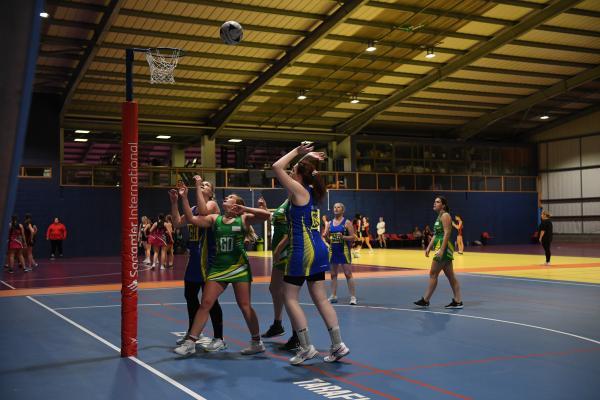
(183, 191)
(173, 195)
(317, 155)
(305, 148)
(198, 180)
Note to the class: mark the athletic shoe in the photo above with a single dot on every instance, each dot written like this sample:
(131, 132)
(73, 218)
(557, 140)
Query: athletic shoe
(332, 299)
(202, 340)
(421, 303)
(187, 348)
(27, 269)
(303, 355)
(547, 263)
(454, 305)
(162, 267)
(10, 271)
(147, 261)
(52, 256)
(335, 353)
(274, 330)
(291, 345)
(216, 344)
(254, 348)
(353, 301)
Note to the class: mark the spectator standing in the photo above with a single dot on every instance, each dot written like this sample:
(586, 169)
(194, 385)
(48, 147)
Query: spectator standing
(56, 233)
(545, 234)
(381, 232)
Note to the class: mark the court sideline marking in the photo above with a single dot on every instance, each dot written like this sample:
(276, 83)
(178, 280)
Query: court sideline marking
(376, 308)
(154, 371)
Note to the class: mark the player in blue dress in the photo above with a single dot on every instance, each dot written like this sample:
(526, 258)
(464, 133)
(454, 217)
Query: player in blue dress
(339, 232)
(308, 260)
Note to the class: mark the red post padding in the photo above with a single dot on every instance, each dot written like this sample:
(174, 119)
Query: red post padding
(129, 228)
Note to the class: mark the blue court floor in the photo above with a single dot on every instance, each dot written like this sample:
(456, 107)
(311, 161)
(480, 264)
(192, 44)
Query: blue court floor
(515, 339)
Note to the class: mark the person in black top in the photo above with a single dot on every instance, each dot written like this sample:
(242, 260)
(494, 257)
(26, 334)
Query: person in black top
(545, 234)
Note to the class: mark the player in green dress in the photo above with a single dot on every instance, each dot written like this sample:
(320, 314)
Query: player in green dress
(230, 265)
(444, 254)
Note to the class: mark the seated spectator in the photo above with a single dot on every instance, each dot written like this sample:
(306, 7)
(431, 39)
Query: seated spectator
(427, 235)
(484, 238)
(417, 234)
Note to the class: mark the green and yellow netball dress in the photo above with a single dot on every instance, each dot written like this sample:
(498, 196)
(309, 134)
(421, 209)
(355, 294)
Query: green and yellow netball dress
(438, 239)
(280, 229)
(231, 261)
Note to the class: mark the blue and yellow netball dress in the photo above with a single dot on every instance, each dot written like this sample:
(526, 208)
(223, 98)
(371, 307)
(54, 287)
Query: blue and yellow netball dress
(339, 249)
(309, 254)
(438, 238)
(202, 250)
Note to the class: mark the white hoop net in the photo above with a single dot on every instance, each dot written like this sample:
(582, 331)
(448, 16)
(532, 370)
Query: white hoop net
(162, 65)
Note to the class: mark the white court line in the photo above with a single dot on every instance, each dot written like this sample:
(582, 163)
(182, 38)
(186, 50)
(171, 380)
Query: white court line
(452, 314)
(173, 382)
(6, 284)
(76, 276)
(106, 306)
(531, 280)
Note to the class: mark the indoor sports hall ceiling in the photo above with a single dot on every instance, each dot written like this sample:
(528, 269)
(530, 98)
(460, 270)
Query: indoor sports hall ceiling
(499, 66)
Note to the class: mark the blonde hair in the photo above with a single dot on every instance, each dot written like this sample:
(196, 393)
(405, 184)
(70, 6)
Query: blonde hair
(341, 205)
(546, 214)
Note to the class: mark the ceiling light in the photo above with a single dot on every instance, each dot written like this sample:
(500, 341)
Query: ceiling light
(163, 137)
(44, 14)
(430, 53)
(234, 140)
(544, 117)
(81, 140)
(371, 46)
(82, 131)
(354, 99)
(302, 95)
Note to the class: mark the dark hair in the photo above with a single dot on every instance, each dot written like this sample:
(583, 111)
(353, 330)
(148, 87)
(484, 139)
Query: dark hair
(14, 222)
(309, 177)
(444, 203)
(28, 219)
(169, 218)
(160, 222)
(238, 199)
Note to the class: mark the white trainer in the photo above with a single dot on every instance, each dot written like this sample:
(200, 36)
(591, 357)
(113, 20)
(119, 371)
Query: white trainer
(254, 348)
(202, 340)
(303, 355)
(335, 353)
(353, 301)
(187, 348)
(216, 344)
(332, 299)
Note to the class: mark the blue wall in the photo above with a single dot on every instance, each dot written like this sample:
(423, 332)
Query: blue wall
(92, 215)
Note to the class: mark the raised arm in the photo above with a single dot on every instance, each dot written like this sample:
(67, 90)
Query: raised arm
(299, 195)
(251, 215)
(178, 219)
(203, 221)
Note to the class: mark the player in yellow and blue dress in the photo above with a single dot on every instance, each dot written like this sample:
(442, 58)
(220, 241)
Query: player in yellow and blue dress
(308, 260)
(340, 234)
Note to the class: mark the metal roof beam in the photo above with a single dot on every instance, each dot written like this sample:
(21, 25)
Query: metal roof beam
(474, 127)
(195, 38)
(335, 19)
(207, 22)
(77, 5)
(536, 18)
(255, 8)
(108, 18)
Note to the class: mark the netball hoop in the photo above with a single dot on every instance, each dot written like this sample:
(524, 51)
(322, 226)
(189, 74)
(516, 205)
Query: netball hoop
(162, 62)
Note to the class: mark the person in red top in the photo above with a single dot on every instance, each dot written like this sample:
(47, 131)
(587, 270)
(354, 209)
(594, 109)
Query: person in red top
(56, 233)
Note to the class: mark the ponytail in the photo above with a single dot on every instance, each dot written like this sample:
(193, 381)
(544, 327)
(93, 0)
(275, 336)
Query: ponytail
(310, 176)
